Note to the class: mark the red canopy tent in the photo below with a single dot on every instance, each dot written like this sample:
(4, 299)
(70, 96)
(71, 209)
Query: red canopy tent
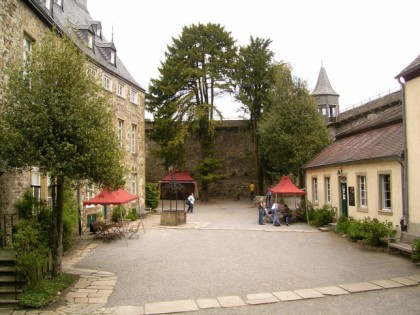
(111, 197)
(286, 187)
(182, 177)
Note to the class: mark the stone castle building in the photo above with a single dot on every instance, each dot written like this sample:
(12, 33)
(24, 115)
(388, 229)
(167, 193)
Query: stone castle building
(233, 143)
(22, 23)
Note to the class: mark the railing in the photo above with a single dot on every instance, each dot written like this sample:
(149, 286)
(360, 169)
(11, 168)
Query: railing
(373, 98)
(7, 227)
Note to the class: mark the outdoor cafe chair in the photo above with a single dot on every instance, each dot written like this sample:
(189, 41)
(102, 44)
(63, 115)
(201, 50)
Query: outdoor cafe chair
(133, 230)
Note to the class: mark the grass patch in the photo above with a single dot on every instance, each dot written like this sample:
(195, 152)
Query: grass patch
(45, 291)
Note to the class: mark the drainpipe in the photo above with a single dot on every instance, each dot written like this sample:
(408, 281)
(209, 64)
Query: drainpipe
(404, 171)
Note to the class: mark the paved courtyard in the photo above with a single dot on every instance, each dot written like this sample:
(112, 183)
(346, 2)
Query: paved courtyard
(223, 262)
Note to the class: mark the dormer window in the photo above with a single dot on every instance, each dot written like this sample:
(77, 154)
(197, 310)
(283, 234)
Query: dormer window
(48, 4)
(59, 2)
(90, 40)
(112, 57)
(98, 31)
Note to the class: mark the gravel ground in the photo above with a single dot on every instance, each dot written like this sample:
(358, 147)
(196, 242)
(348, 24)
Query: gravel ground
(223, 251)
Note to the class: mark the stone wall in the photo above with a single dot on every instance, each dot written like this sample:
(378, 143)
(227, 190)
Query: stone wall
(16, 20)
(233, 148)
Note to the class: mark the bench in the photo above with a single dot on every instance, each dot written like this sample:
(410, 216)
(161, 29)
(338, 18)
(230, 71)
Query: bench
(143, 212)
(403, 243)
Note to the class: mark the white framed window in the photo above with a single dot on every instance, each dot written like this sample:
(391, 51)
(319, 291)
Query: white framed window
(36, 183)
(134, 98)
(48, 5)
(385, 192)
(27, 50)
(60, 2)
(133, 138)
(120, 132)
(315, 189)
(121, 90)
(106, 82)
(133, 183)
(90, 191)
(324, 112)
(327, 184)
(362, 188)
(92, 73)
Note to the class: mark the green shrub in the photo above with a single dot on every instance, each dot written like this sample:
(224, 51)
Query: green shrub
(369, 231)
(118, 213)
(310, 216)
(375, 231)
(70, 216)
(152, 195)
(415, 256)
(323, 216)
(132, 215)
(25, 205)
(32, 245)
(343, 225)
(355, 230)
(43, 292)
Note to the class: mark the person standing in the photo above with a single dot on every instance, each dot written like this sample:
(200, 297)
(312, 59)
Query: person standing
(261, 211)
(275, 212)
(252, 191)
(268, 199)
(191, 201)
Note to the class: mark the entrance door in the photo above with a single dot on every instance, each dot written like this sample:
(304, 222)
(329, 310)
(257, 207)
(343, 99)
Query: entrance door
(343, 190)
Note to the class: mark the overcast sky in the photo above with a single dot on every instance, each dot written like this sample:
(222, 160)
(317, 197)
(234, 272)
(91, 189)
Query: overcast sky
(363, 44)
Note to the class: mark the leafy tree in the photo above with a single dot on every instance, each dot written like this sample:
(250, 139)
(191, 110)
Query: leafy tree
(291, 131)
(57, 119)
(152, 195)
(198, 69)
(254, 77)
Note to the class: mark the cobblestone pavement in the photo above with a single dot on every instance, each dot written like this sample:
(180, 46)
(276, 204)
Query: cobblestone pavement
(223, 262)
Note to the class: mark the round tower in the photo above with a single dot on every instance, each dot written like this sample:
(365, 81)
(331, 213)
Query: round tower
(326, 97)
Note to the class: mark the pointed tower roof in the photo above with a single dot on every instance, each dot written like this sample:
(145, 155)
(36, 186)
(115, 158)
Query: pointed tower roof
(323, 86)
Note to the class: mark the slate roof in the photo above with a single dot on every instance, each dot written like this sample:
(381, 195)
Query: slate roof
(74, 18)
(323, 86)
(378, 139)
(411, 71)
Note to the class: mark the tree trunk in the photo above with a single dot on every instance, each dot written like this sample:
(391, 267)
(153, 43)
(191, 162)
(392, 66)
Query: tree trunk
(58, 246)
(205, 191)
(258, 164)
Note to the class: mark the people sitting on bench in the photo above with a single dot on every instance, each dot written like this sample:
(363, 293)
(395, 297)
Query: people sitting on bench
(287, 214)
